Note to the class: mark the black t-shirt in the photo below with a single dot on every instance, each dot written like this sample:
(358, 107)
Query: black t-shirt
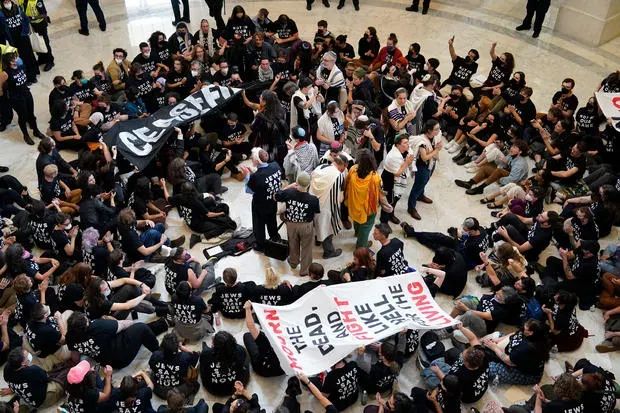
(603, 400)
(231, 133)
(565, 320)
(473, 246)
(300, 206)
(243, 27)
(527, 111)
(81, 92)
(416, 63)
(192, 210)
(171, 373)
(568, 102)
(41, 228)
(462, 71)
(29, 383)
(44, 336)
(449, 404)
(391, 259)
(585, 270)
(524, 356)
(281, 295)
(130, 242)
(571, 162)
(284, 30)
(498, 73)
(267, 363)
(539, 238)
(532, 209)
(68, 294)
(102, 84)
(302, 289)
(499, 312)
(62, 124)
(143, 85)
(587, 120)
(189, 312)
(86, 403)
(95, 311)
(563, 406)
(219, 377)
(229, 300)
(474, 383)
(50, 190)
(149, 64)
(98, 342)
(175, 274)
(111, 113)
(456, 277)
(141, 404)
(380, 378)
(265, 183)
(342, 385)
(23, 307)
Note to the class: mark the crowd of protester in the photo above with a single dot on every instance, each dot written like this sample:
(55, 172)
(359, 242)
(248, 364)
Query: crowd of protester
(329, 138)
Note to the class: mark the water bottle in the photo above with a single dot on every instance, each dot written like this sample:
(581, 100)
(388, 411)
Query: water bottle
(218, 319)
(364, 397)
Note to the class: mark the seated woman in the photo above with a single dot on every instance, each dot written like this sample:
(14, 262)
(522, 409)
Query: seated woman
(579, 227)
(362, 267)
(150, 245)
(203, 216)
(445, 398)
(171, 368)
(116, 271)
(64, 130)
(86, 392)
(504, 266)
(31, 384)
(41, 220)
(46, 337)
(54, 190)
(134, 394)
(240, 402)
(189, 312)
(145, 203)
(116, 298)
(179, 172)
(566, 332)
(381, 375)
(598, 386)
(96, 250)
(264, 361)
(604, 204)
(65, 241)
(27, 298)
(94, 213)
(109, 341)
(523, 359)
(176, 404)
(273, 292)
(222, 365)
(20, 261)
(181, 266)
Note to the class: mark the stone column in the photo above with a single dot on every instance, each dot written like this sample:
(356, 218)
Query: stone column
(592, 22)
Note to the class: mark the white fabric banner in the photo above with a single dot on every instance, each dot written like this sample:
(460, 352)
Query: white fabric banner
(328, 323)
(610, 105)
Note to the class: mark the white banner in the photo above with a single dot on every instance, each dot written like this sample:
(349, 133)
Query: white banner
(328, 323)
(610, 105)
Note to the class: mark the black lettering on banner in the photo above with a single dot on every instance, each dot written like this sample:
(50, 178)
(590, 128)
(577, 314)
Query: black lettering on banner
(370, 319)
(139, 140)
(296, 338)
(314, 323)
(336, 325)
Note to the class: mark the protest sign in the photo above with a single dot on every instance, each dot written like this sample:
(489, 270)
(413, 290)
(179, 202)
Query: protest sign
(610, 106)
(139, 140)
(328, 323)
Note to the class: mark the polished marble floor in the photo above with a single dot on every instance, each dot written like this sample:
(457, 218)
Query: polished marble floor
(546, 61)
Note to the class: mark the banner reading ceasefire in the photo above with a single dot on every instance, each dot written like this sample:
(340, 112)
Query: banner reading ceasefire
(328, 323)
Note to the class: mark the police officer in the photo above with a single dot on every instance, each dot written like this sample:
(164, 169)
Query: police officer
(14, 29)
(37, 13)
(6, 112)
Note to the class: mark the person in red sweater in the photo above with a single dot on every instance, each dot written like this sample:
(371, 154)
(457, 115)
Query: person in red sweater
(388, 54)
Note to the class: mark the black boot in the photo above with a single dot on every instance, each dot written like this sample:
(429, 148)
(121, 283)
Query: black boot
(38, 134)
(340, 5)
(158, 326)
(28, 139)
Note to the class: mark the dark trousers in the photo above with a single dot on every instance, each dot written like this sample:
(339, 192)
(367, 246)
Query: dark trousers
(177, 12)
(434, 240)
(416, 3)
(6, 111)
(215, 11)
(387, 178)
(22, 43)
(41, 28)
(262, 217)
(23, 105)
(255, 357)
(583, 288)
(129, 341)
(356, 3)
(82, 5)
(513, 221)
(538, 7)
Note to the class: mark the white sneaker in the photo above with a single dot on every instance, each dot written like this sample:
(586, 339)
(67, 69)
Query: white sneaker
(165, 251)
(454, 149)
(449, 144)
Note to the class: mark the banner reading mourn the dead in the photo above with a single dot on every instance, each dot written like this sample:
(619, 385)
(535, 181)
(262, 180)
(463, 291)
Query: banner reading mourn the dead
(139, 140)
(610, 106)
(327, 324)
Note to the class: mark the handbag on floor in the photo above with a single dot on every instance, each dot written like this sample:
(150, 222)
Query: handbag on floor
(277, 249)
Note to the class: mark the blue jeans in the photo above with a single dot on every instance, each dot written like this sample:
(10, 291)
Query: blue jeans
(422, 176)
(152, 236)
(430, 378)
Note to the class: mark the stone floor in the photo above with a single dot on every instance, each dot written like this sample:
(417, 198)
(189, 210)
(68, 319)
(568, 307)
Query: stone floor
(546, 61)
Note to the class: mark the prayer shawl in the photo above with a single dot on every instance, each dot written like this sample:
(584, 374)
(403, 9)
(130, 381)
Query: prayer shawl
(362, 195)
(302, 158)
(419, 96)
(326, 127)
(335, 77)
(392, 163)
(209, 41)
(327, 184)
(416, 142)
(316, 108)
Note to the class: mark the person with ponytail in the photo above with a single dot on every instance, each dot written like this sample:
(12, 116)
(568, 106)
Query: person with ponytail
(566, 332)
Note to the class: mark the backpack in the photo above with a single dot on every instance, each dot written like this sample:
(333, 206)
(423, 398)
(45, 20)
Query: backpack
(533, 309)
(431, 348)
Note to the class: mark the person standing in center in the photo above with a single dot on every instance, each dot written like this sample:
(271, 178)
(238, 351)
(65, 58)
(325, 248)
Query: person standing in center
(263, 184)
(362, 195)
(177, 11)
(81, 6)
(538, 7)
(425, 148)
(299, 217)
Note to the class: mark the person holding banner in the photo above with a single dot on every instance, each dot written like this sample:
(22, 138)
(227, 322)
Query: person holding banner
(263, 358)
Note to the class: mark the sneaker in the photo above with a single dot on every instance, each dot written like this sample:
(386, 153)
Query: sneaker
(477, 190)
(210, 261)
(178, 242)
(336, 253)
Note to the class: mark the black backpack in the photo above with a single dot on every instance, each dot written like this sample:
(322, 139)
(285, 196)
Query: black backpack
(431, 348)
